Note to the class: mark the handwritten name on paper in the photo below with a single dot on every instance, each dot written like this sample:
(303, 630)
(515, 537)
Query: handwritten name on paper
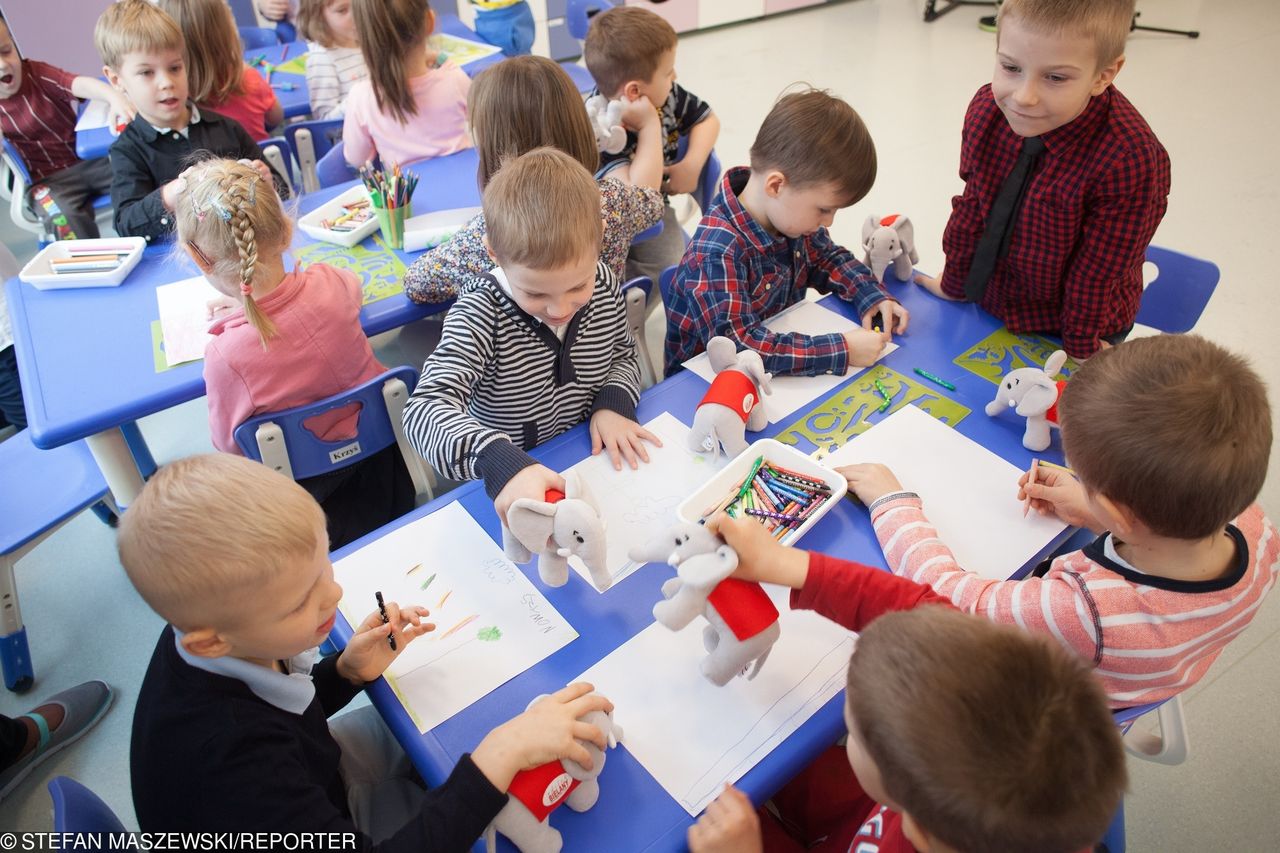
(534, 603)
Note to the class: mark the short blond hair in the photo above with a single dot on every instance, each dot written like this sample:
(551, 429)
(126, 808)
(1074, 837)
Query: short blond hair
(542, 211)
(134, 26)
(1105, 22)
(207, 531)
(226, 214)
(626, 43)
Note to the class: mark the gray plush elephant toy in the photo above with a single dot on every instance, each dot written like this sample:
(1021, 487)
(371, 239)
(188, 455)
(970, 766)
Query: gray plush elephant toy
(743, 620)
(1032, 393)
(535, 793)
(889, 240)
(734, 402)
(560, 527)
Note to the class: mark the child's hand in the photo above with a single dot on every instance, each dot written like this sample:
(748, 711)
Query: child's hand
(369, 654)
(119, 112)
(639, 113)
(533, 481)
(864, 346)
(169, 192)
(870, 481)
(760, 556)
(621, 437)
(1058, 493)
(548, 731)
(933, 285)
(681, 177)
(893, 318)
(729, 825)
(263, 169)
(220, 305)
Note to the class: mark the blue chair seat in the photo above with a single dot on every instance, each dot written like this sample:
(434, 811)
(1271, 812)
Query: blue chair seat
(332, 168)
(1176, 298)
(77, 809)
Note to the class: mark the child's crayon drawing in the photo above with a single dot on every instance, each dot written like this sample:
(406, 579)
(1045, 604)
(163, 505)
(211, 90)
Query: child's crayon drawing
(292, 65)
(461, 50)
(1002, 351)
(379, 269)
(856, 407)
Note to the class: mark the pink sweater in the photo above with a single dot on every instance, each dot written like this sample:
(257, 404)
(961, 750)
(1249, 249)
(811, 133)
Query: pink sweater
(439, 128)
(1149, 637)
(319, 350)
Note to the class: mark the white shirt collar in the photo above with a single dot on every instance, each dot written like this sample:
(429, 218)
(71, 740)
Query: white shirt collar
(194, 119)
(293, 692)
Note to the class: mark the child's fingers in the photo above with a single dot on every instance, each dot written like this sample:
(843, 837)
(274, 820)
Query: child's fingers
(571, 692)
(577, 752)
(650, 437)
(588, 732)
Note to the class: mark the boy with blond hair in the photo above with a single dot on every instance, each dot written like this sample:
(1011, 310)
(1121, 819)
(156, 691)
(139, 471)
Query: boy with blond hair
(1064, 181)
(631, 54)
(142, 52)
(231, 728)
(963, 735)
(764, 241)
(535, 347)
(1169, 437)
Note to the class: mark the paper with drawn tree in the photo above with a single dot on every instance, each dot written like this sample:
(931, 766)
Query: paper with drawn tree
(380, 270)
(1002, 351)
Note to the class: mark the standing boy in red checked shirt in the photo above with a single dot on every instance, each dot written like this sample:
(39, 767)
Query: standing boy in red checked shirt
(1085, 180)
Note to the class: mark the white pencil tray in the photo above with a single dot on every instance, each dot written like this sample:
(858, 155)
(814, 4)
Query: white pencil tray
(332, 209)
(39, 274)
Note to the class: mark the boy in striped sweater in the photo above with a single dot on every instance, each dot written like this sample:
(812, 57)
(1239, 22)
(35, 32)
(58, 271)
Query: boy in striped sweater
(1169, 437)
(535, 347)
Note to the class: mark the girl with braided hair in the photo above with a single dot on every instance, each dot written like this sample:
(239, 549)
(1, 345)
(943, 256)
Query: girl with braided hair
(289, 339)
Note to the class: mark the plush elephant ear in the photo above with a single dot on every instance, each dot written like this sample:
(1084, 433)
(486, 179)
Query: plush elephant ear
(750, 363)
(868, 228)
(1054, 363)
(722, 353)
(531, 522)
(576, 487)
(706, 570)
(1038, 399)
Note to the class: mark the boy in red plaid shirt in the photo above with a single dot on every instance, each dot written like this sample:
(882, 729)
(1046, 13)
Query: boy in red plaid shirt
(1069, 262)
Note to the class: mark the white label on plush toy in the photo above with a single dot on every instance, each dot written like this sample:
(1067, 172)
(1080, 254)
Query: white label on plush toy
(352, 449)
(556, 789)
(748, 403)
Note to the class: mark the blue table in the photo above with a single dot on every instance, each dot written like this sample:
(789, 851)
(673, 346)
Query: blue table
(86, 355)
(634, 812)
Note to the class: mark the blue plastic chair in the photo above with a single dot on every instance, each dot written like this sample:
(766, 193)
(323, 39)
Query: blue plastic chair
(565, 36)
(578, 15)
(708, 182)
(635, 298)
(311, 140)
(1169, 747)
(279, 155)
(243, 12)
(332, 168)
(280, 441)
(254, 37)
(77, 809)
(666, 281)
(40, 490)
(17, 182)
(1176, 298)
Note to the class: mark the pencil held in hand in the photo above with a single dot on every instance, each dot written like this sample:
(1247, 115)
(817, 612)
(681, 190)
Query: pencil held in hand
(1026, 490)
(382, 608)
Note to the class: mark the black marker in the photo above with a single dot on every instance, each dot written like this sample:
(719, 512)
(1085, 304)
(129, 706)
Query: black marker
(382, 608)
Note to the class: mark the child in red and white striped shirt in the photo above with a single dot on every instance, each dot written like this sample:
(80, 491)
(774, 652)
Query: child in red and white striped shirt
(1169, 438)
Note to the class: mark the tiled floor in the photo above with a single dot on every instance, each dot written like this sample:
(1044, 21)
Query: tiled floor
(1212, 103)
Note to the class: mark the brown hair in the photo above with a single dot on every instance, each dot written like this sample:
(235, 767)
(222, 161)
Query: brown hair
(626, 43)
(1105, 22)
(388, 31)
(215, 57)
(226, 213)
(990, 737)
(813, 137)
(523, 103)
(1173, 427)
(542, 211)
(133, 26)
(311, 22)
(208, 530)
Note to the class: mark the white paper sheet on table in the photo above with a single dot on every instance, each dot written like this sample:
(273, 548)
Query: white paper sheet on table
(491, 622)
(637, 505)
(184, 318)
(692, 736)
(94, 116)
(969, 493)
(790, 393)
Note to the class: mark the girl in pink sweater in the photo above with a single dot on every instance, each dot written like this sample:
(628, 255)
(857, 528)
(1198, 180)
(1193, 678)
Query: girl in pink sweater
(295, 339)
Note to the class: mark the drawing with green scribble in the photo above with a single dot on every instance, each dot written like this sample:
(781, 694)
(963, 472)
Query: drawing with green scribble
(855, 408)
(1002, 351)
(489, 635)
(380, 270)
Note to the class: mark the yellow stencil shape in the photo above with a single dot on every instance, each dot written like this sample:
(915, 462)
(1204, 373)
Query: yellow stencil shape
(380, 270)
(854, 408)
(1002, 351)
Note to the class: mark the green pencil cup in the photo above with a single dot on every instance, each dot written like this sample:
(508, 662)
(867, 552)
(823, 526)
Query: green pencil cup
(391, 222)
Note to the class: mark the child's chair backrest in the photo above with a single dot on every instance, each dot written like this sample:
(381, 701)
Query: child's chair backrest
(311, 140)
(635, 296)
(281, 441)
(256, 37)
(1176, 298)
(77, 809)
(332, 168)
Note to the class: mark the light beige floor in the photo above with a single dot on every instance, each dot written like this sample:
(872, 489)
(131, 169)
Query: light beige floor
(1211, 101)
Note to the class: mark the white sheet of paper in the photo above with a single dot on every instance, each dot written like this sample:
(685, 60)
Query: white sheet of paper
(790, 393)
(969, 493)
(692, 736)
(636, 505)
(94, 116)
(184, 318)
(491, 622)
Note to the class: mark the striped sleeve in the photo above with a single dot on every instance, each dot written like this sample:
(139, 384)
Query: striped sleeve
(1058, 605)
(621, 390)
(322, 85)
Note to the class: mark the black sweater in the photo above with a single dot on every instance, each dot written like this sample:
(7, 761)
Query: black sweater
(209, 755)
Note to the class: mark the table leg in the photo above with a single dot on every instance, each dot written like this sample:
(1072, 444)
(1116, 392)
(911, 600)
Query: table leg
(116, 462)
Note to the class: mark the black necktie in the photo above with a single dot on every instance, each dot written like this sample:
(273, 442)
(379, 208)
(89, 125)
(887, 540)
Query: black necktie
(994, 243)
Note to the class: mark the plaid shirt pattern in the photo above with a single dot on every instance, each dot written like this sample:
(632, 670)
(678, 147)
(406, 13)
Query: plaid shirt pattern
(39, 119)
(735, 275)
(1074, 266)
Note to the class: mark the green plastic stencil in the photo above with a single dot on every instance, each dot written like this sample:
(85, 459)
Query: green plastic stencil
(379, 269)
(1002, 351)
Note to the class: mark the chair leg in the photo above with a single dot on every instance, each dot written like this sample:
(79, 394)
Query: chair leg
(138, 447)
(1170, 745)
(15, 654)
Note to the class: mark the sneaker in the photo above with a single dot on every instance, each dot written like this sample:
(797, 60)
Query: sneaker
(987, 23)
(82, 706)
